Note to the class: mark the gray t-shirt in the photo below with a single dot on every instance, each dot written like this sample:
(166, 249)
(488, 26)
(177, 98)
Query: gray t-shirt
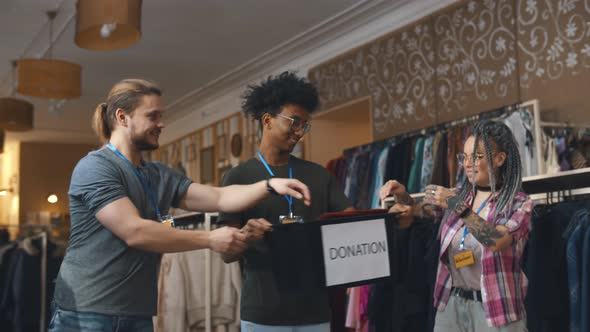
(261, 301)
(467, 277)
(100, 273)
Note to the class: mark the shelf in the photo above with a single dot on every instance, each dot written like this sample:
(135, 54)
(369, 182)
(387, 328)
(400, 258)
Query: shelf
(574, 179)
(546, 183)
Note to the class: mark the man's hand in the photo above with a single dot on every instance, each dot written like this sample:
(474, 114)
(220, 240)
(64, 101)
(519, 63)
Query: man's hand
(255, 229)
(405, 217)
(227, 241)
(292, 187)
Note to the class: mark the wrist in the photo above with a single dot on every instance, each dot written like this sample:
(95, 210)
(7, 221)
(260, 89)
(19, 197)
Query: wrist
(456, 204)
(269, 188)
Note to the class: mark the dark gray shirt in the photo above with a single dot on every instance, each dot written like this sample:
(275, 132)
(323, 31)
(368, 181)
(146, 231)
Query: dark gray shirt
(100, 273)
(262, 302)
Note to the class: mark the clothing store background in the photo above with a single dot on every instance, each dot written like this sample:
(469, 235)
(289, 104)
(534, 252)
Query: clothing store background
(468, 58)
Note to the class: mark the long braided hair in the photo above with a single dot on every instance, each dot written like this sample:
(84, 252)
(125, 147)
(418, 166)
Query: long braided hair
(509, 173)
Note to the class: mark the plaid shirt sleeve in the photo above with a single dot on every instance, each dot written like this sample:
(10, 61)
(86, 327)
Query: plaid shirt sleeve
(519, 222)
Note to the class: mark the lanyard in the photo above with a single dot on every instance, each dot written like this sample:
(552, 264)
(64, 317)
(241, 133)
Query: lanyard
(461, 246)
(143, 181)
(287, 197)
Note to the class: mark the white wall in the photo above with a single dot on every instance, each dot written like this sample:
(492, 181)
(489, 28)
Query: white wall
(228, 101)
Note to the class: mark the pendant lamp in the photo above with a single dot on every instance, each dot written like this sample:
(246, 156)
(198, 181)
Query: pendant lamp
(15, 114)
(49, 78)
(103, 25)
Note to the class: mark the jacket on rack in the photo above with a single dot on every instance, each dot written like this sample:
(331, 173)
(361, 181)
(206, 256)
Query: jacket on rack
(182, 293)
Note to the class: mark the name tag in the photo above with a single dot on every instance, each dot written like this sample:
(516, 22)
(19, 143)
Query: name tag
(290, 219)
(167, 220)
(464, 258)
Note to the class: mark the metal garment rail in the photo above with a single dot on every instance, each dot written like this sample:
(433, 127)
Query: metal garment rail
(208, 282)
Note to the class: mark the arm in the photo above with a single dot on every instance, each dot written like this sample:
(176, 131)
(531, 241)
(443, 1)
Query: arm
(493, 237)
(122, 218)
(237, 198)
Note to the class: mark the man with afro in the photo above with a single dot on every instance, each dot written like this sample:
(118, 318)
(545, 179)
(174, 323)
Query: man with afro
(282, 104)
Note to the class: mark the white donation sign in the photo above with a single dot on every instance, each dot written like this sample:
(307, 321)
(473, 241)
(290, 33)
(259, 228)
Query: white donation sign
(355, 251)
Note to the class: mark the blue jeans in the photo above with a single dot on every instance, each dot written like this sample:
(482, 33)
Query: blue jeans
(73, 321)
(253, 327)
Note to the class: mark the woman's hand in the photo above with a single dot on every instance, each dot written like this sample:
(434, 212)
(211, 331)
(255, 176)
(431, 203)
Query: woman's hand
(405, 217)
(391, 187)
(438, 195)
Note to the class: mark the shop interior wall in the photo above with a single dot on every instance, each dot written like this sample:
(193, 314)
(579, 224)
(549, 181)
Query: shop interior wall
(337, 129)
(204, 108)
(9, 175)
(46, 168)
(468, 58)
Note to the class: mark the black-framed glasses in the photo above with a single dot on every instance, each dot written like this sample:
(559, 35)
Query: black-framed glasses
(474, 158)
(297, 124)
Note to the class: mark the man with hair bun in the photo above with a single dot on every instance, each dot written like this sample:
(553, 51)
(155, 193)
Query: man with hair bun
(282, 104)
(119, 225)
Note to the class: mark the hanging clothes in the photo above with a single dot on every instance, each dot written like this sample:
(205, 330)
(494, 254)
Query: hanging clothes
(520, 123)
(416, 170)
(21, 297)
(181, 293)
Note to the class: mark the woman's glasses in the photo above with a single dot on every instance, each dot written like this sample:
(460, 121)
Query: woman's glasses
(474, 158)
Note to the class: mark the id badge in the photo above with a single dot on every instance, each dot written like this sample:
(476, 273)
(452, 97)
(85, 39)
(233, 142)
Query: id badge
(464, 258)
(167, 220)
(290, 219)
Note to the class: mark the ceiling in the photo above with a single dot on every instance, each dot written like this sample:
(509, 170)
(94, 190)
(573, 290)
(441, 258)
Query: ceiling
(185, 45)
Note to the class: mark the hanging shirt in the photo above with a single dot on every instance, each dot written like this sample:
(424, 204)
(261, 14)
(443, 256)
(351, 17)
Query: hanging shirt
(520, 124)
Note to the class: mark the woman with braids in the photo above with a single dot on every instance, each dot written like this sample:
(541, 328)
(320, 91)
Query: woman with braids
(282, 104)
(480, 285)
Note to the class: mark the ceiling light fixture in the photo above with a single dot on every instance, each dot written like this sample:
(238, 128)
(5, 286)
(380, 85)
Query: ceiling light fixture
(49, 78)
(104, 25)
(15, 114)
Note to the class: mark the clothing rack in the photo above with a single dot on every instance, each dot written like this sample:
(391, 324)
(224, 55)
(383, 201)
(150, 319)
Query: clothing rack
(440, 127)
(190, 221)
(210, 218)
(573, 182)
(43, 236)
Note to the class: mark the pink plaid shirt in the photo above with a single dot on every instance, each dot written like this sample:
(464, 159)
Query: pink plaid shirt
(503, 283)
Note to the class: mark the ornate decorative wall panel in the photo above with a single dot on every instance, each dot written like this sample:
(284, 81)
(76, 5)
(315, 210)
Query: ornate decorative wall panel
(476, 58)
(554, 55)
(469, 58)
(396, 71)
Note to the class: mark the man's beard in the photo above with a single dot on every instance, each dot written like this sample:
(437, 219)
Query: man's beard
(142, 144)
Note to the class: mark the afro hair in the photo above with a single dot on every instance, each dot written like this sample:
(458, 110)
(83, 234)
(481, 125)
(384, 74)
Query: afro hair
(277, 91)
